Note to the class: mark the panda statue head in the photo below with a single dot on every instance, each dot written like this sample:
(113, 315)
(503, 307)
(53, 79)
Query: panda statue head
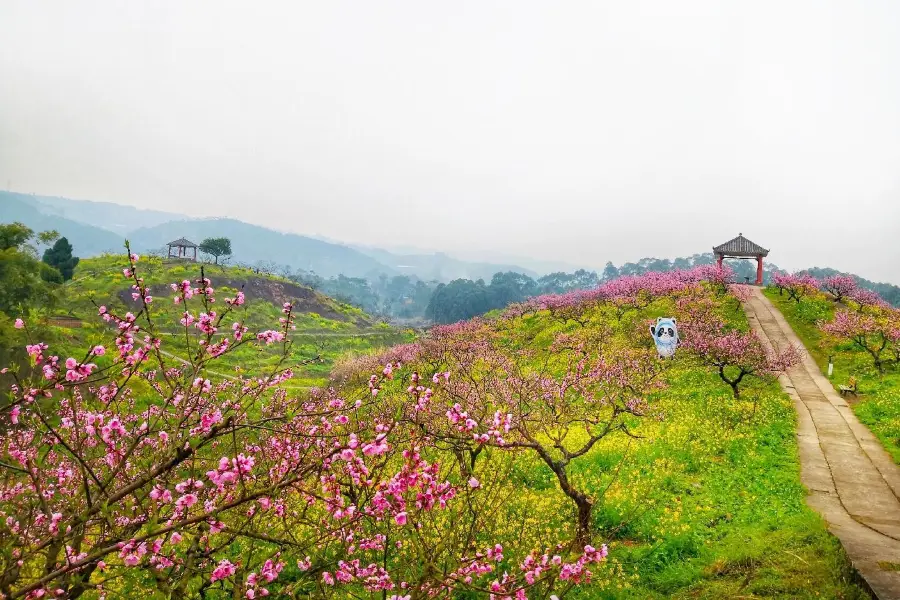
(665, 336)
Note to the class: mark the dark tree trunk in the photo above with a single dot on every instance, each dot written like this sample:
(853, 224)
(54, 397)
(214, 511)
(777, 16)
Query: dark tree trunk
(583, 504)
(734, 383)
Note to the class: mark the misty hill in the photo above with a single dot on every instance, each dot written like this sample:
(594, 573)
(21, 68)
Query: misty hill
(105, 215)
(253, 244)
(88, 240)
(97, 227)
(439, 266)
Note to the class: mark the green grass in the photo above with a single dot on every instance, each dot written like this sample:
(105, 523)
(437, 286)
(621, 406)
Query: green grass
(708, 502)
(877, 404)
(337, 329)
(705, 503)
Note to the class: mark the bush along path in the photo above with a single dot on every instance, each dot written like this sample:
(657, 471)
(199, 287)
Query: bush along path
(853, 483)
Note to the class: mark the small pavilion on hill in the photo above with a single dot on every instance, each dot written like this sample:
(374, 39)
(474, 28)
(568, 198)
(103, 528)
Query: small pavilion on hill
(179, 249)
(741, 247)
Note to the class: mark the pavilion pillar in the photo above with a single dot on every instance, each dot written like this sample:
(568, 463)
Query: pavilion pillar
(719, 259)
(759, 269)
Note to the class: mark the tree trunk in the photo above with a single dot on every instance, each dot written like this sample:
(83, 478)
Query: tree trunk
(733, 383)
(583, 505)
(585, 508)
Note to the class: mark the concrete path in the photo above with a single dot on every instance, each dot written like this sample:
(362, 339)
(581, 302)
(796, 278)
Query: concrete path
(853, 483)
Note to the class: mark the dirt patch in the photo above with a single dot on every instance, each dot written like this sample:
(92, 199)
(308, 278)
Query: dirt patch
(64, 321)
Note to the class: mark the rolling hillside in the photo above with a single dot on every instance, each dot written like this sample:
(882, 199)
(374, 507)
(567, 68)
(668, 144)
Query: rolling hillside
(105, 215)
(439, 266)
(325, 327)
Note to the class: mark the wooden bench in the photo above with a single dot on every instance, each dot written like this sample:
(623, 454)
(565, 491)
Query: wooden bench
(847, 389)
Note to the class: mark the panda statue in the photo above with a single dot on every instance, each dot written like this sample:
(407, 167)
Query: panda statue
(665, 335)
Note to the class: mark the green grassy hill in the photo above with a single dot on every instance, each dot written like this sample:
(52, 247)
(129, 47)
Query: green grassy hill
(702, 500)
(325, 327)
(696, 492)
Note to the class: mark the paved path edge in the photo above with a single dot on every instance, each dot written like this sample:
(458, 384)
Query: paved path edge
(849, 460)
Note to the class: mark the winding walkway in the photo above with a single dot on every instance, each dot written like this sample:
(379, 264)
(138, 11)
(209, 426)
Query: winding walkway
(853, 483)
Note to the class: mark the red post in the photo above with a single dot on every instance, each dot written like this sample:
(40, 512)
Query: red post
(719, 260)
(759, 270)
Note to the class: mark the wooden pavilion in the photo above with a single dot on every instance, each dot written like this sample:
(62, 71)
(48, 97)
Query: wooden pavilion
(179, 249)
(741, 247)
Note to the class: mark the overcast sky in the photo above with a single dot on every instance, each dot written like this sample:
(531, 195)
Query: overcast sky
(575, 131)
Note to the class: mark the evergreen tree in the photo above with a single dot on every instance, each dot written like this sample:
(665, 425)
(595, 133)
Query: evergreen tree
(60, 257)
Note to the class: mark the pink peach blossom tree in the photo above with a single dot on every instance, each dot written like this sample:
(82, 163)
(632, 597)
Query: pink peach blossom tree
(874, 330)
(840, 287)
(123, 464)
(796, 285)
(734, 355)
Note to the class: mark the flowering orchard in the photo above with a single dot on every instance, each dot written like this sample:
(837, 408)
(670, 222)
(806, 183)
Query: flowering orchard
(863, 318)
(842, 289)
(796, 285)
(733, 354)
(872, 328)
(126, 472)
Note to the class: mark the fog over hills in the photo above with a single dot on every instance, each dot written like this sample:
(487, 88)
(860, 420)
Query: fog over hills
(98, 227)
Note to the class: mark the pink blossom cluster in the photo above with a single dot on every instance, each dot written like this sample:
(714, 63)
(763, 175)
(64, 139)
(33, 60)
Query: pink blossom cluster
(796, 285)
(733, 354)
(629, 288)
(139, 467)
(874, 329)
(743, 293)
(268, 573)
(839, 286)
(865, 297)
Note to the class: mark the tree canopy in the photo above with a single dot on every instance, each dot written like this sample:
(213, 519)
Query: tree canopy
(25, 282)
(59, 256)
(216, 247)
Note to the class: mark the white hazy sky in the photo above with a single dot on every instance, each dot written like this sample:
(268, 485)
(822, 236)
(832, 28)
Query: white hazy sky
(576, 131)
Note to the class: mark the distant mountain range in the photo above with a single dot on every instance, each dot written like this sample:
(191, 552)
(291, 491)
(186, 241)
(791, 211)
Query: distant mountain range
(98, 227)
(440, 266)
(87, 239)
